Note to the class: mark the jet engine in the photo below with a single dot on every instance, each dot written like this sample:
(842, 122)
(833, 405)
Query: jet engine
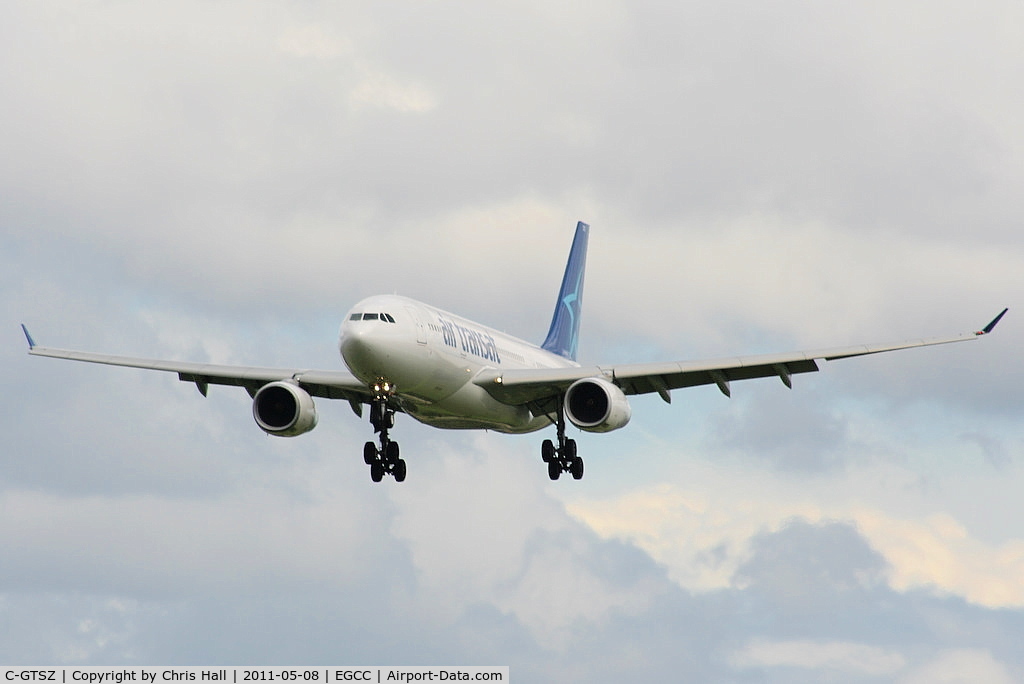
(284, 409)
(596, 405)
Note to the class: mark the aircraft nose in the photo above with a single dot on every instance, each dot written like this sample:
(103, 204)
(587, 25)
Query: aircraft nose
(356, 348)
(367, 352)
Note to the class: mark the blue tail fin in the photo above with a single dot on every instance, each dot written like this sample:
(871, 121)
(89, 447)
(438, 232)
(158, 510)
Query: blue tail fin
(564, 334)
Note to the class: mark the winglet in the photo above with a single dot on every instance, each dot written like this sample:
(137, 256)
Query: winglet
(991, 326)
(28, 336)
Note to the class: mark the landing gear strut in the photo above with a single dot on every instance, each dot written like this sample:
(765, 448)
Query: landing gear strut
(385, 459)
(563, 458)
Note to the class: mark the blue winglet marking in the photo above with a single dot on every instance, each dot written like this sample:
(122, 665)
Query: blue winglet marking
(28, 336)
(563, 335)
(991, 326)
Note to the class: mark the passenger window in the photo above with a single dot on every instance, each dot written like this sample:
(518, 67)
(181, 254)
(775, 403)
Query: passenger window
(355, 317)
(370, 317)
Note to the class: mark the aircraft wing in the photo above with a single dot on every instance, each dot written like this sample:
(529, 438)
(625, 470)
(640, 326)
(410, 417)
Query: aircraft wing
(327, 384)
(527, 386)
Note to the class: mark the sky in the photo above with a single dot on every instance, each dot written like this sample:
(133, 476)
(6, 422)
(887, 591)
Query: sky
(220, 182)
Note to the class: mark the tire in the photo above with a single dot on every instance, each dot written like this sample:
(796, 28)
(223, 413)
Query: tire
(554, 469)
(576, 468)
(570, 450)
(391, 452)
(399, 471)
(377, 471)
(547, 451)
(369, 453)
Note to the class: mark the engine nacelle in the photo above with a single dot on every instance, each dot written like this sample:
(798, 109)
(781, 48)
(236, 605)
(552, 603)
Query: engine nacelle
(596, 405)
(284, 409)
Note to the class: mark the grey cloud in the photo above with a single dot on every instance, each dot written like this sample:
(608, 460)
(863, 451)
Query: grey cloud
(806, 571)
(995, 450)
(806, 576)
(793, 430)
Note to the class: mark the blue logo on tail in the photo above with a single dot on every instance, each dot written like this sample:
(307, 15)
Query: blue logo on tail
(563, 336)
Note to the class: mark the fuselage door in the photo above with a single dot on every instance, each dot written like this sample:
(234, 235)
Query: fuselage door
(421, 332)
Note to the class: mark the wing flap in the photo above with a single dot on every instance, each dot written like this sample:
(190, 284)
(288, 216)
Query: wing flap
(522, 386)
(709, 373)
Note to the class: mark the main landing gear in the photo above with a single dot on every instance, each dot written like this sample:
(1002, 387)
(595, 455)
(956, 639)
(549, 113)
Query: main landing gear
(383, 460)
(562, 459)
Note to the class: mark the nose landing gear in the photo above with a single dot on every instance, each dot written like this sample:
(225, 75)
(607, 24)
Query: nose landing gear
(384, 460)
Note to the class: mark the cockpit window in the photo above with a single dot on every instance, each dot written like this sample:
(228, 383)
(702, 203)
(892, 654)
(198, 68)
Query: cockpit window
(386, 317)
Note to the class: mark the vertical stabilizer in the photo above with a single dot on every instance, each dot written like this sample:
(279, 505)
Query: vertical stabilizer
(563, 336)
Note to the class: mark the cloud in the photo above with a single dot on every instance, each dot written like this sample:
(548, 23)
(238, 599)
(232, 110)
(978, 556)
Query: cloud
(706, 534)
(222, 182)
(829, 656)
(961, 665)
(791, 430)
(539, 565)
(815, 562)
(314, 40)
(382, 90)
(939, 552)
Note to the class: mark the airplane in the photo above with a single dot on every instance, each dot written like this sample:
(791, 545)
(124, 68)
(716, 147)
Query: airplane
(404, 356)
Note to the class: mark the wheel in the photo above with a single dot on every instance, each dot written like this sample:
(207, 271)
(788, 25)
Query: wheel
(369, 453)
(569, 451)
(576, 468)
(391, 452)
(547, 450)
(376, 471)
(399, 471)
(554, 469)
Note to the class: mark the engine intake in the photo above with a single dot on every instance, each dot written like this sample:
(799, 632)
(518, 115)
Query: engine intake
(596, 405)
(284, 409)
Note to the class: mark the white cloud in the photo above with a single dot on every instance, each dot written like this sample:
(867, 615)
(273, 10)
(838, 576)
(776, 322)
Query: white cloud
(314, 40)
(961, 666)
(830, 656)
(383, 90)
(938, 552)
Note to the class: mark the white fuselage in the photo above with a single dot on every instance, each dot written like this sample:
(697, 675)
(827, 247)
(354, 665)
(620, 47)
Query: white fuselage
(429, 358)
